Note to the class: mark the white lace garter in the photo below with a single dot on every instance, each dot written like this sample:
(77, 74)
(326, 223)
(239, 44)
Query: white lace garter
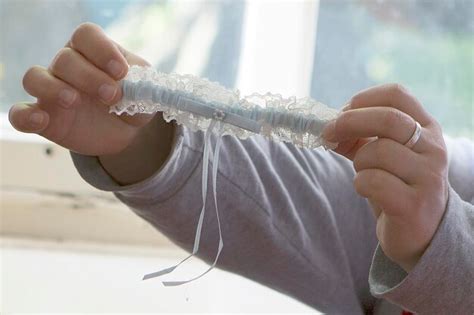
(200, 104)
(194, 102)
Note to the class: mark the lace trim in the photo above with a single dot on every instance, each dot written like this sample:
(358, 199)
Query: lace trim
(194, 102)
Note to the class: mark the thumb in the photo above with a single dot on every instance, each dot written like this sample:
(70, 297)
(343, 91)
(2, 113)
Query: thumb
(348, 148)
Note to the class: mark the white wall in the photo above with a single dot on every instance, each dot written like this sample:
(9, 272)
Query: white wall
(46, 277)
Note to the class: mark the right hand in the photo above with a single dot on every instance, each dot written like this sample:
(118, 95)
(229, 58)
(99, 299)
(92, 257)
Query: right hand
(70, 110)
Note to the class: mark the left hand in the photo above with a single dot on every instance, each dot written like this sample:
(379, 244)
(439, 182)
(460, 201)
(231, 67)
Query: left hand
(407, 187)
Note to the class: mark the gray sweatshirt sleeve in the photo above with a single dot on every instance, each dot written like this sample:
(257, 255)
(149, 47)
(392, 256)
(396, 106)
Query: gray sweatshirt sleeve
(291, 219)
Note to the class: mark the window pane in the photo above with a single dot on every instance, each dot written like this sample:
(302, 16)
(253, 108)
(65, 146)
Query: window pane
(198, 37)
(425, 45)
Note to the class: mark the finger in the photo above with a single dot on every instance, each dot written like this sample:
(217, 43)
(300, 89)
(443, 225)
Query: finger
(48, 89)
(349, 148)
(382, 122)
(392, 95)
(374, 122)
(90, 40)
(73, 68)
(28, 118)
(392, 157)
(385, 190)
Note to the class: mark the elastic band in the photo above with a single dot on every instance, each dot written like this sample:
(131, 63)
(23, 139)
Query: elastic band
(248, 118)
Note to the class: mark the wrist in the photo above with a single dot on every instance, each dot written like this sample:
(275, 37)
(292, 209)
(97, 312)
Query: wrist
(144, 156)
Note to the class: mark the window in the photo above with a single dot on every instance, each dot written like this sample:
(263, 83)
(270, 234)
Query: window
(425, 45)
(196, 37)
(328, 50)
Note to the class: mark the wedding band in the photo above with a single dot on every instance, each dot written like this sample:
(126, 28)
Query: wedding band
(414, 137)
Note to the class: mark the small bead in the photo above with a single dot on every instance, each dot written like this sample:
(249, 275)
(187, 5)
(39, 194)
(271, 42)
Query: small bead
(218, 114)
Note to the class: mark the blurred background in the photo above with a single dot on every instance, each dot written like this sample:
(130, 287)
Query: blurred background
(66, 247)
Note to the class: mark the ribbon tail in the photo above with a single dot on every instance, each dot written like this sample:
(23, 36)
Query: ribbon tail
(197, 238)
(165, 271)
(221, 242)
(176, 283)
(205, 163)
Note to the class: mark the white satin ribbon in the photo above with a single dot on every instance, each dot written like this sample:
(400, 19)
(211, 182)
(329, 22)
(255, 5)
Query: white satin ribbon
(204, 180)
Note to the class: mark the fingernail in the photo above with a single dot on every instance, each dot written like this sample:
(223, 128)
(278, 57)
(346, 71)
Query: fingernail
(115, 68)
(67, 97)
(107, 92)
(329, 131)
(36, 119)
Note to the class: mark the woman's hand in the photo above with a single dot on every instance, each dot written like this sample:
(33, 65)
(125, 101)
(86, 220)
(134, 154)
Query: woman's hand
(407, 187)
(74, 94)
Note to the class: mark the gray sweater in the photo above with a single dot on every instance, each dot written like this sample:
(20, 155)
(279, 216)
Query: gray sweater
(292, 221)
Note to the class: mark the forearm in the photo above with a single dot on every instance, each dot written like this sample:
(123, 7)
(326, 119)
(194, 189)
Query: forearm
(144, 156)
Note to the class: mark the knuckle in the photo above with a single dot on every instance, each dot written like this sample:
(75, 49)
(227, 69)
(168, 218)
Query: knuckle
(356, 100)
(343, 120)
(365, 182)
(29, 76)
(437, 180)
(358, 184)
(366, 156)
(358, 161)
(340, 124)
(441, 152)
(61, 60)
(437, 128)
(443, 158)
(440, 155)
(82, 31)
(392, 119)
(398, 90)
